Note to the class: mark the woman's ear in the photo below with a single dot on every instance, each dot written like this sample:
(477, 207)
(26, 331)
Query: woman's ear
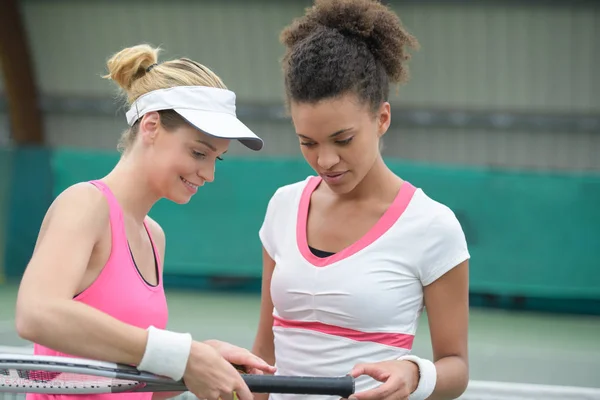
(149, 126)
(384, 118)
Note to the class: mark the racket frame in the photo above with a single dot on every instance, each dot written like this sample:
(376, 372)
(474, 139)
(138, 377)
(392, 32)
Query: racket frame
(147, 382)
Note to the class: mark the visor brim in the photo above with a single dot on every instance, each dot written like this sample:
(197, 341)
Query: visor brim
(222, 125)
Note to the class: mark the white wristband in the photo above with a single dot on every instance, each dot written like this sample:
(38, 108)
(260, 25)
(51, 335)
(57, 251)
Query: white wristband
(166, 353)
(427, 377)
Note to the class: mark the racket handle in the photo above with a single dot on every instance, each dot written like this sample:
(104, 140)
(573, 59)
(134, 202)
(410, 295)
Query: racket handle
(340, 386)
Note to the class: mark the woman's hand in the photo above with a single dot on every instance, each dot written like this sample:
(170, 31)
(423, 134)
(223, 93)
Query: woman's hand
(241, 357)
(210, 376)
(399, 379)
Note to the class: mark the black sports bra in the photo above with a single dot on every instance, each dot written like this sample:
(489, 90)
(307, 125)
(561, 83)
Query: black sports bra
(320, 253)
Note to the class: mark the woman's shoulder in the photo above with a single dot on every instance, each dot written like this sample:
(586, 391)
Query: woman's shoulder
(290, 191)
(80, 210)
(81, 200)
(431, 210)
(441, 240)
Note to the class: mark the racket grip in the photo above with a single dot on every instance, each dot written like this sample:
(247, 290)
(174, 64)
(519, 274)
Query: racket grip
(339, 386)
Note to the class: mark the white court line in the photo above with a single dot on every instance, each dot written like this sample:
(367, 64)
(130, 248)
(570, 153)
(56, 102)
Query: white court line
(483, 390)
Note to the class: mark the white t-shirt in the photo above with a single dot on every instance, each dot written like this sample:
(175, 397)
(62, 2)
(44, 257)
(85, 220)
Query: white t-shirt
(363, 303)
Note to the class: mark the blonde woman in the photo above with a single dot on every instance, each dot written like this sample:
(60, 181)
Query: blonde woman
(94, 287)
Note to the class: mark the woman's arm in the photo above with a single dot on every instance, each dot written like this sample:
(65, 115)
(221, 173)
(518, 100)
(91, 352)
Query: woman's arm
(45, 312)
(263, 344)
(447, 305)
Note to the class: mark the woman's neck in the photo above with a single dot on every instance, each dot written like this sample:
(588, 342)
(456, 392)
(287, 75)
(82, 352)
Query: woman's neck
(132, 189)
(380, 183)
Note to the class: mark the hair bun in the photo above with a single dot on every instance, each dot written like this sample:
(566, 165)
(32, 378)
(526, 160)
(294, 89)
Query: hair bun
(354, 18)
(367, 20)
(131, 63)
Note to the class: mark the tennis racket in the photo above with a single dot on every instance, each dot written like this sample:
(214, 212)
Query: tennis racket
(62, 375)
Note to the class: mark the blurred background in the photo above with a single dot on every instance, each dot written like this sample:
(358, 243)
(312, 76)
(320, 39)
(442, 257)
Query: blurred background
(500, 121)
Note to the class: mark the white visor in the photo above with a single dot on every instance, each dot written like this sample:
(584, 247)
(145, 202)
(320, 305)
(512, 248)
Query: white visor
(211, 110)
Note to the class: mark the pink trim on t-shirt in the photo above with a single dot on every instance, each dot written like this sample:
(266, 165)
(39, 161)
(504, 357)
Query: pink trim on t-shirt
(386, 221)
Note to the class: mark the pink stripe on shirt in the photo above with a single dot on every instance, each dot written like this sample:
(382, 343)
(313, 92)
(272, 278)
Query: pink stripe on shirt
(400, 340)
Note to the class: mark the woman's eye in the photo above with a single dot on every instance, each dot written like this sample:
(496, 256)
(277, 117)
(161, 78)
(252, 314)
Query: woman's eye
(307, 144)
(345, 141)
(197, 154)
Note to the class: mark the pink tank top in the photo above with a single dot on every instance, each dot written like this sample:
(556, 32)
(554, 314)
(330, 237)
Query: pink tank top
(119, 291)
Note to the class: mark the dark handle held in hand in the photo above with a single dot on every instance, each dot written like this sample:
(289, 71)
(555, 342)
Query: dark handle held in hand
(342, 386)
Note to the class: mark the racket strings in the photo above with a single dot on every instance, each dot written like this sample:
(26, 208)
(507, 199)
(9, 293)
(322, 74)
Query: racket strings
(59, 380)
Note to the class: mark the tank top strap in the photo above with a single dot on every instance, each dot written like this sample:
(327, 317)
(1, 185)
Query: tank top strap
(115, 213)
(119, 236)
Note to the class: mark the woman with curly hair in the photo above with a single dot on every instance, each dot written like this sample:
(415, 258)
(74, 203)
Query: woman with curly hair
(354, 254)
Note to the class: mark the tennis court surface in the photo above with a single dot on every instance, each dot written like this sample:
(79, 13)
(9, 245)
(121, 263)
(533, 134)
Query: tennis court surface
(513, 355)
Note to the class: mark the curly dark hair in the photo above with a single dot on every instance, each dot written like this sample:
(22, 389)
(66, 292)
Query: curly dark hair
(342, 46)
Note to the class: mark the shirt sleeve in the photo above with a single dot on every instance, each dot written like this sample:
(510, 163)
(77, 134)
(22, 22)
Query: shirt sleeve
(445, 246)
(266, 232)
